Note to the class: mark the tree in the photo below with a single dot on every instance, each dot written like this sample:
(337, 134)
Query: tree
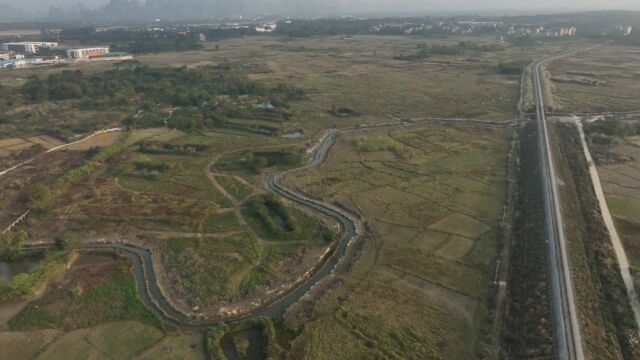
(21, 284)
(66, 240)
(39, 196)
(11, 244)
(34, 89)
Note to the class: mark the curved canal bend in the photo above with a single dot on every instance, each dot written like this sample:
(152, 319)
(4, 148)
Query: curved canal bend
(153, 297)
(349, 228)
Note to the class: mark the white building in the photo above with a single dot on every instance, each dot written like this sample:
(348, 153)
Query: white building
(28, 47)
(86, 53)
(266, 28)
(568, 31)
(628, 30)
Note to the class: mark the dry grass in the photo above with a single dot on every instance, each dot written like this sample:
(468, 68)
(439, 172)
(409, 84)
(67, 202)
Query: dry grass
(120, 340)
(621, 184)
(25, 345)
(434, 210)
(177, 347)
(616, 70)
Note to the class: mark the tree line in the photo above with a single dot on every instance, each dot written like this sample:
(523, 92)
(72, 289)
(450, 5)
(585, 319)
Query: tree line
(199, 98)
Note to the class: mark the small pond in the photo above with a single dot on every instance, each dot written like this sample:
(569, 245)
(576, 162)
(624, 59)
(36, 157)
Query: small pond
(233, 342)
(10, 269)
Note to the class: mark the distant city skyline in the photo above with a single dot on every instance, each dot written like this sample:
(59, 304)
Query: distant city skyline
(208, 8)
(407, 5)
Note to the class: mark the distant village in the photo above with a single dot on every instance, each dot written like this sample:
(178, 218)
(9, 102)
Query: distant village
(482, 27)
(15, 55)
(39, 53)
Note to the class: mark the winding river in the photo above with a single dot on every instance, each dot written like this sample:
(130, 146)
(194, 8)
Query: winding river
(147, 283)
(350, 226)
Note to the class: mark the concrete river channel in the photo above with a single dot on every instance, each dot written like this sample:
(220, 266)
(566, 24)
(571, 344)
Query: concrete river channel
(349, 225)
(153, 297)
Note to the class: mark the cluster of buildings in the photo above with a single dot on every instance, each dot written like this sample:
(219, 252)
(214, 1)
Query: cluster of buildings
(27, 53)
(266, 28)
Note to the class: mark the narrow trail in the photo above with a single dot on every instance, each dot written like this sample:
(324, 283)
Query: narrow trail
(60, 147)
(618, 248)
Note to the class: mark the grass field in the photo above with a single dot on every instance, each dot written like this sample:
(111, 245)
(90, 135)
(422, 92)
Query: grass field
(177, 347)
(434, 199)
(118, 340)
(599, 80)
(621, 184)
(25, 344)
(102, 290)
(211, 271)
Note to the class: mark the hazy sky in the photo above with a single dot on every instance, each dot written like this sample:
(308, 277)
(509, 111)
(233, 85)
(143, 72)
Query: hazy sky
(399, 5)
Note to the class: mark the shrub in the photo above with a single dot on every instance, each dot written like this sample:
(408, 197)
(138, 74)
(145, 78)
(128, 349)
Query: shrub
(66, 240)
(39, 196)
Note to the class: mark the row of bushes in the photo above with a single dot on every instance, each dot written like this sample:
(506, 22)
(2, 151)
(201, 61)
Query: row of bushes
(91, 165)
(171, 149)
(613, 127)
(462, 47)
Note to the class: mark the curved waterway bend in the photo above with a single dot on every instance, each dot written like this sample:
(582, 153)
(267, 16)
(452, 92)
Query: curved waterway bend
(147, 283)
